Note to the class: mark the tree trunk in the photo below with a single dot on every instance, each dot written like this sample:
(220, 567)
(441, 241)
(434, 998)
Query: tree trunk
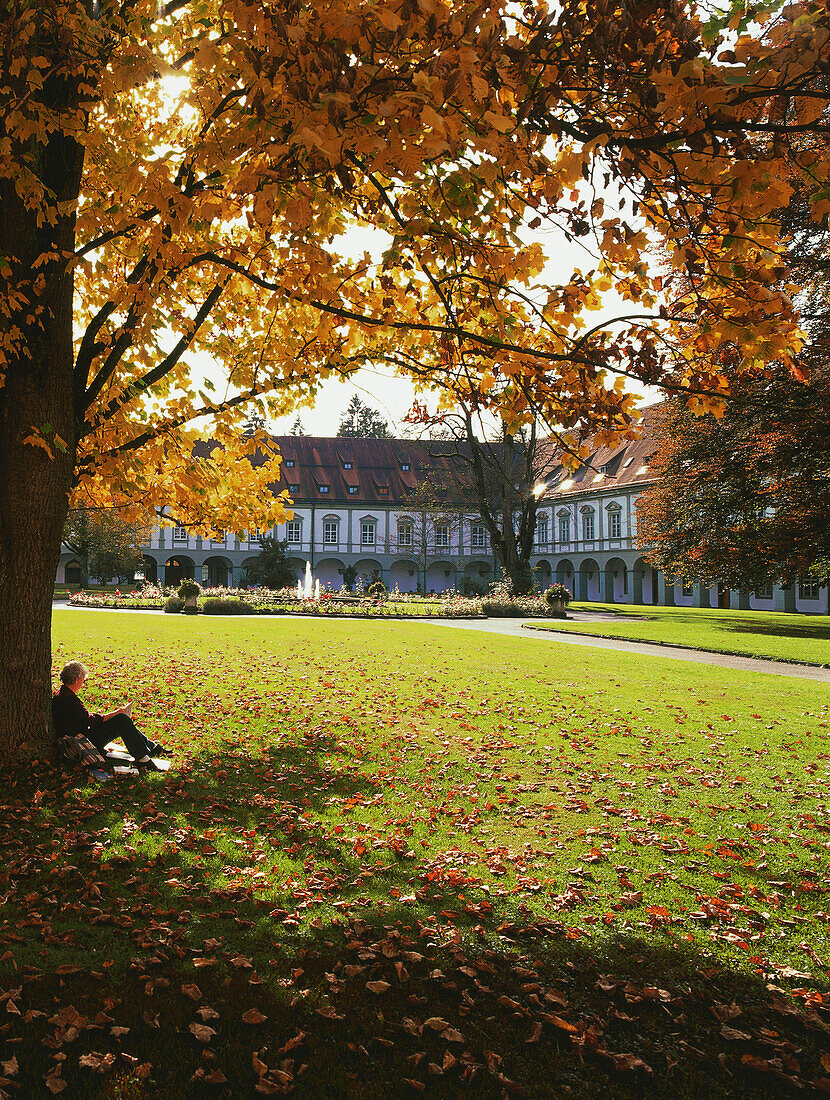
(38, 394)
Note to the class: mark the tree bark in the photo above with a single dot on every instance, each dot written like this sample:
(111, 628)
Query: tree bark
(38, 393)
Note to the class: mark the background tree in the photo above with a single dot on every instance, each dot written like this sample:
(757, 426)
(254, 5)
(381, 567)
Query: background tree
(503, 476)
(272, 567)
(743, 499)
(106, 544)
(447, 127)
(297, 427)
(256, 422)
(434, 507)
(360, 421)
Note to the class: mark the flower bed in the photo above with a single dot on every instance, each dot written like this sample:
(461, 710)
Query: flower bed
(263, 601)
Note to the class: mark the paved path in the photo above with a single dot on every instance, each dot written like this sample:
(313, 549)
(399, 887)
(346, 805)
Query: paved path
(515, 628)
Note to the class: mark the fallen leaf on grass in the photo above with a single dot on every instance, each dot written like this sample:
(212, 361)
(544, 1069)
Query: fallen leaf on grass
(10, 1068)
(377, 987)
(202, 1032)
(192, 991)
(253, 1016)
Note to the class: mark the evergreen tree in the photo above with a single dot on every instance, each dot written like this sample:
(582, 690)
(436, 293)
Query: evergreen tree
(360, 421)
(297, 428)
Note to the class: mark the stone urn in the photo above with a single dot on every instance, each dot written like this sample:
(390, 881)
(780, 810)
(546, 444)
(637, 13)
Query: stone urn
(189, 592)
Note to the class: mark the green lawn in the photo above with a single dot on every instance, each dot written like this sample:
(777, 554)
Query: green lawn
(396, 858)
(749, 633)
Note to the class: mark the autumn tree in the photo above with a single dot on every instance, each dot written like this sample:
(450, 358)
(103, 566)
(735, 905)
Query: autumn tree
(361, 421)
(176, 180)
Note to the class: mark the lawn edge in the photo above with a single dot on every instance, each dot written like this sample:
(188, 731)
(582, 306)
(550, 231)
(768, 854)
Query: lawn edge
(679, 645)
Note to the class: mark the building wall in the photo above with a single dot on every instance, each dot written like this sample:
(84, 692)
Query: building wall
(603, 568)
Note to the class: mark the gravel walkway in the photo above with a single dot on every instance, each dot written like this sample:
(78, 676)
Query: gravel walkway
(515, 628)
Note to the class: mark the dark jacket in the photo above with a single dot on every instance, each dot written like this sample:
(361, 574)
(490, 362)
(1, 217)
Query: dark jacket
(71, 717)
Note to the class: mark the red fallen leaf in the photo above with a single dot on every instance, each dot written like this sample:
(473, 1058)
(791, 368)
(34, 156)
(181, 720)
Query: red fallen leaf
(201, 962)
(192, 991)
(260, 1068)
(377, 987)
(10, 1068)
(119, 1031)
(733, 1033)
(54, 1083)
(329, 1013)
(298, 1039)
(202, 1032)
(207, 1013)
(419, 1086)
(624, 1062)
(535, 1033)
(253, 1016)
(240, 960)
(436, 1023)
(452, 1036)
(557, 1021)
(217, 1077)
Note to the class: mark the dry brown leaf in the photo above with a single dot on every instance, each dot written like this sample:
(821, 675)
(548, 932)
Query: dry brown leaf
(253, 1016)
(202, 1032)
(377, 987)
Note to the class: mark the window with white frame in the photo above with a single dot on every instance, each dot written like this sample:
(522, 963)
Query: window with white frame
(179, 534)
(293, 488)
(368, 529)
(322, 488)
(404, 532)
(541, 530)
(352, 490)
(764, 591)
(442, 534)
(293, 531)
(219, 540)
(588, 526)
(564, 527)
(289, 463)
(808, 588)
(614, 525)
(478, 536)
(330, 531)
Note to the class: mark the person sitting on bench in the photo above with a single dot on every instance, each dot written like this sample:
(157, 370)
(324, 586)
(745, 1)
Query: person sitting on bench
(71, 718)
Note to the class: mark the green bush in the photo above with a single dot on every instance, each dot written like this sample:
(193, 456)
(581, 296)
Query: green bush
(189, 588)
(216, 605)
(173, 605)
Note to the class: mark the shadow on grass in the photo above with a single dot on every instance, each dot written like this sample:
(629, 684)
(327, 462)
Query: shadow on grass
(763, 626)
(341, 979)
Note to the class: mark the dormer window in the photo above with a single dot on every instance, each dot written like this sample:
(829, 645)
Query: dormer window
(322, 488)
(293, 488)
(405, 467)
(347, 465)
(383, 490)
(352, 490)
(289, 463)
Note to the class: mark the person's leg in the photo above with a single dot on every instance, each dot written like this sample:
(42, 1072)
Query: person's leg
(121, 726)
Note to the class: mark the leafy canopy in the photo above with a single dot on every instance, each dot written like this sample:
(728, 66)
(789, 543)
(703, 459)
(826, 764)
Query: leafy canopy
(189, 171)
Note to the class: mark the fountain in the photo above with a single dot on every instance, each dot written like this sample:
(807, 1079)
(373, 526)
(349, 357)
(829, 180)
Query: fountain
(308, 587)
(317, 591)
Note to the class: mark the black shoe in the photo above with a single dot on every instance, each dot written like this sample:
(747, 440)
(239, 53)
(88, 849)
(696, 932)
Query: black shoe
(147, 766)
(159, 750)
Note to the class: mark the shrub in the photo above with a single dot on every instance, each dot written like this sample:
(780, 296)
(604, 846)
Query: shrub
(558, 592)
(378, 591)
(215, 605)
(173, 605)
(503, 609)
(189, 588)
